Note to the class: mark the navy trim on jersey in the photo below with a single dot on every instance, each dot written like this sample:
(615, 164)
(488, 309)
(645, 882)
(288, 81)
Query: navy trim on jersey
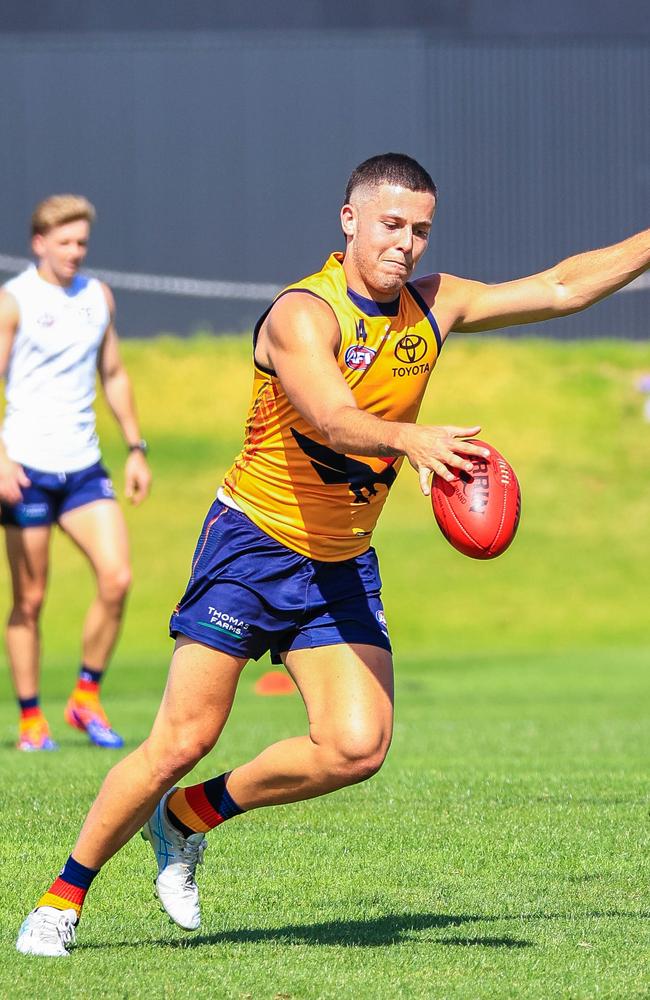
(427, 313)
(256, 333)
(258, 325)
(372, 308)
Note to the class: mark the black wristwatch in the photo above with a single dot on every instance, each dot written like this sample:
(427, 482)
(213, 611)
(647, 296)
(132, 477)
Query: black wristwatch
(140, 445)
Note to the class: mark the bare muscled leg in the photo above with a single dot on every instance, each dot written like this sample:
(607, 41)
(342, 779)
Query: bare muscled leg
(99, 530)
(28, 555)
(197, 701)
(348, 694)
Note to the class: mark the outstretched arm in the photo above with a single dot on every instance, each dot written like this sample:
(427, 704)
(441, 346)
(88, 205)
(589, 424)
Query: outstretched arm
(299, 341)
(573, 284)
(119, 396)
(12, 475)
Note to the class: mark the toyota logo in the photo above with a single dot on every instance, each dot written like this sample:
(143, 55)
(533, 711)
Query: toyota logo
(410, 349)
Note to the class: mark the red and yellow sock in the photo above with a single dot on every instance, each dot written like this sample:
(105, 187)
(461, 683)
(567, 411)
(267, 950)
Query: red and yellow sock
(87, 688)
(32, 723)
(68, 891)
(202, 807)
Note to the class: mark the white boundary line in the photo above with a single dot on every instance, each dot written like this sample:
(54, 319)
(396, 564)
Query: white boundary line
(164, 284)
(200, 288)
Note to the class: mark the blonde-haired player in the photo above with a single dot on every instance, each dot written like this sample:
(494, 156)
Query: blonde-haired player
(56, 332)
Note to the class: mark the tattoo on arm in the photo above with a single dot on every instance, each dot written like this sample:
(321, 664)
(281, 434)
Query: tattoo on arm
(385, 451)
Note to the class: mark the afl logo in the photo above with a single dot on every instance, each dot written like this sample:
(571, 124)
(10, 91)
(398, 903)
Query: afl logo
(410, 349)
(359, 357)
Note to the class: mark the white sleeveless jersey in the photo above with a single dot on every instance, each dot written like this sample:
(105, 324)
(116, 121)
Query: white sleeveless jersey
(49, 419)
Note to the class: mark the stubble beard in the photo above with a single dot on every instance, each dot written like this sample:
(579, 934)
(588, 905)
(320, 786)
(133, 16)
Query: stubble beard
(376, 281)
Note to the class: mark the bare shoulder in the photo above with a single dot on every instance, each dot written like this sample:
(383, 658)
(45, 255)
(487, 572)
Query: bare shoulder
(9, 310)
(9, 323)
(297, 321)
(110, 298)
(447, 296)
(300, 310)
(428, 287)
(438, 289)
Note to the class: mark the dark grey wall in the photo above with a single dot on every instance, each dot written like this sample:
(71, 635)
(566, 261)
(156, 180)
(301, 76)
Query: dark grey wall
(225, 155)
(561, 20)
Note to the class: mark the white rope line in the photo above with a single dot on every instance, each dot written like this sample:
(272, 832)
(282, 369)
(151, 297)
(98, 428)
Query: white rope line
(200, 288)
(164, 284)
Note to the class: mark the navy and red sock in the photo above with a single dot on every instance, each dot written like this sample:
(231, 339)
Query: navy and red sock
(29, 707)
(68, 891)
(88, 683)
(202, 807)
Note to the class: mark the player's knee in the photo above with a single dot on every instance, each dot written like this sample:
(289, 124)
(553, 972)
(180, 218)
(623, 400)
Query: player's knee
(174, 764)
(194, 749)
(27, 607)
(359, 756)
(179, 754)
(114, 584)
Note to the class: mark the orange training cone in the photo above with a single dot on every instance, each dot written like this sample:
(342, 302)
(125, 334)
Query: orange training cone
(275, 682)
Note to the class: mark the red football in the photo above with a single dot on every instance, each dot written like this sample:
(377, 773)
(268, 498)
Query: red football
(479, 512)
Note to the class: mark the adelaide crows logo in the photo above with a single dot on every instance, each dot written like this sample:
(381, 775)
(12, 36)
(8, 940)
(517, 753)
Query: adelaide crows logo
(334, 468)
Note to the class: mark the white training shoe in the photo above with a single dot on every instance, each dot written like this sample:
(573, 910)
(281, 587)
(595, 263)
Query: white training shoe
(177, 858)
(47, 931)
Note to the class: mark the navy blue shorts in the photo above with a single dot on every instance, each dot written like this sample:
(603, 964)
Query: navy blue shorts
(52, 494)
(248, 594)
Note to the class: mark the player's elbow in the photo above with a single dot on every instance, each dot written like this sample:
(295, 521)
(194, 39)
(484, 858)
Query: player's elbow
(113, 378)
(567, 296)
(337, 443)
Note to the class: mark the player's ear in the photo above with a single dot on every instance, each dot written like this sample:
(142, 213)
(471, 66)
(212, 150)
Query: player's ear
(348, 220)
(37, 245)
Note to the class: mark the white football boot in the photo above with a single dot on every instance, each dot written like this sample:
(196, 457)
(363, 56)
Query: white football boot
(177, 858)
(47, 931)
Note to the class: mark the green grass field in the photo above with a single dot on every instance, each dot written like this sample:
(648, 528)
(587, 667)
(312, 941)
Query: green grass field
(503, 850)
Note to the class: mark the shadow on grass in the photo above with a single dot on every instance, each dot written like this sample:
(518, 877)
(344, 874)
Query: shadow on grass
(391, 929)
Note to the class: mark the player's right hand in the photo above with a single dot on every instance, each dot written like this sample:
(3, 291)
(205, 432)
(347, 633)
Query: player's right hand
(441, 450)
(13, 479)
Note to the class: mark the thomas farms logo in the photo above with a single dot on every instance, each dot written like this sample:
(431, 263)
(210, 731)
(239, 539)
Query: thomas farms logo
(359, 357)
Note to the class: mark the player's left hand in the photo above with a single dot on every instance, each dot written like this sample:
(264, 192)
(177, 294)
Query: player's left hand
(137, 478)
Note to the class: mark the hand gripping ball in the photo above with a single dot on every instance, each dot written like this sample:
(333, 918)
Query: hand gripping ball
(478, 512)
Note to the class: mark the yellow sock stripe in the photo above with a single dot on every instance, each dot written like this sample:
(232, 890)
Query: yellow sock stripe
(49, 899)
(184, 812)
(85, 697)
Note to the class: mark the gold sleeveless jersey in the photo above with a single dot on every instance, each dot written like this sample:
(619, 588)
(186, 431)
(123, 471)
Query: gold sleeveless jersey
(286, 478)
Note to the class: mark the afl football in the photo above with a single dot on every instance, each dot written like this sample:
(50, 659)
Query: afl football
(478, 512)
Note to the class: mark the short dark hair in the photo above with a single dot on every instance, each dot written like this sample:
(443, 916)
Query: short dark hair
(391, 168)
